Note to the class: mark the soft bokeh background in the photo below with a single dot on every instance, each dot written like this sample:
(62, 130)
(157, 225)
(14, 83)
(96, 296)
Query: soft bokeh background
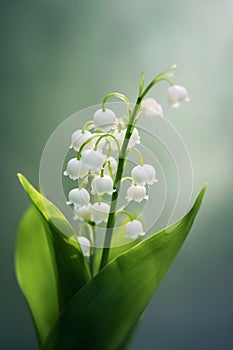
(58, 57)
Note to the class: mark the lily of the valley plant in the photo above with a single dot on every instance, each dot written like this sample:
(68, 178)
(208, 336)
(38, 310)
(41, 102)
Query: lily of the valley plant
(80, 296)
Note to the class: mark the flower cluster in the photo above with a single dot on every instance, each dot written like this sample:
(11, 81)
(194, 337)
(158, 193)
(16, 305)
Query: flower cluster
(95, 167)
(98, 147)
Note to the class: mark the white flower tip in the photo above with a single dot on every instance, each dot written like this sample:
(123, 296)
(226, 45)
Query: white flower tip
(85, 245)
(175, 105)
(65, 173)
(68, 202)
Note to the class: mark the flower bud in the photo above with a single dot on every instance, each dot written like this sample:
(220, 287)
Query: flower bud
(92, 160)
(177, 94)
(151, 108)
(99, 212)
(82, 213)
(105, 120)
(75, 169)
(136, 193)
(143, 174)
(85, 245)
(78, 138)
(134, 229)
(78, 197)
(101, 185)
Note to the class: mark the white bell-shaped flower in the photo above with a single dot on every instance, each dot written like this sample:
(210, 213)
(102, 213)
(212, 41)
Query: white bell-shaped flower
(177, 94)
(101, 185)
(78, 197)
(119, 135)
(75, 169)
(99, 212)
(144, 174)
(82, 213)
(85, 245)
(136, 193)
(92, 160)
(105, 120)
(78, 138)
(134, 229)
(134, 139)
(151, 108)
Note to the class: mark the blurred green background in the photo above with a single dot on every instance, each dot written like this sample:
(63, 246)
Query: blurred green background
(58, 57)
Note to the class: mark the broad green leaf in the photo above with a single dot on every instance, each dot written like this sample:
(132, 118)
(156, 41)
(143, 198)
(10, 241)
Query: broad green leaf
(104, 311)
(48, 210)
(35, 272)
(68, 262)
(114, 252)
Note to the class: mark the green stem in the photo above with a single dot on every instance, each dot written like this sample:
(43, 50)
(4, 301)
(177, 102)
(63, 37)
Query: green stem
(109, 148)
(92, 250)
(83, 179)
(107, 162)
(126, 178)
(126, 213)
(100, 136)
(121, 159)
(85, 143)
(121, 97)
(155, 81)
(138, 153)
(117, 184)
(108, 135)
(89, 122)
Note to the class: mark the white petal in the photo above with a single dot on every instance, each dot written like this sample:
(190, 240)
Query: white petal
(134, 139)
(136, 193)
(134, 229)
(92, 160)
(102, 185)
(79, 197)
(78, 138)
(177, 94)
(99, 212)
(75, 169)
(82, 213)
(85, 245)
(152, 108)
(105, 120)
(113, 164)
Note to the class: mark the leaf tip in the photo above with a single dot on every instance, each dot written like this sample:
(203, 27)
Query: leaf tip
(203, 190)
(21, 179)
(199, 199)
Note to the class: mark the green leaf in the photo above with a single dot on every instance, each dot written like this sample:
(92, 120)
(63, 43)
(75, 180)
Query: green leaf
(68, 262)
(35, 272)
(102, 314)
